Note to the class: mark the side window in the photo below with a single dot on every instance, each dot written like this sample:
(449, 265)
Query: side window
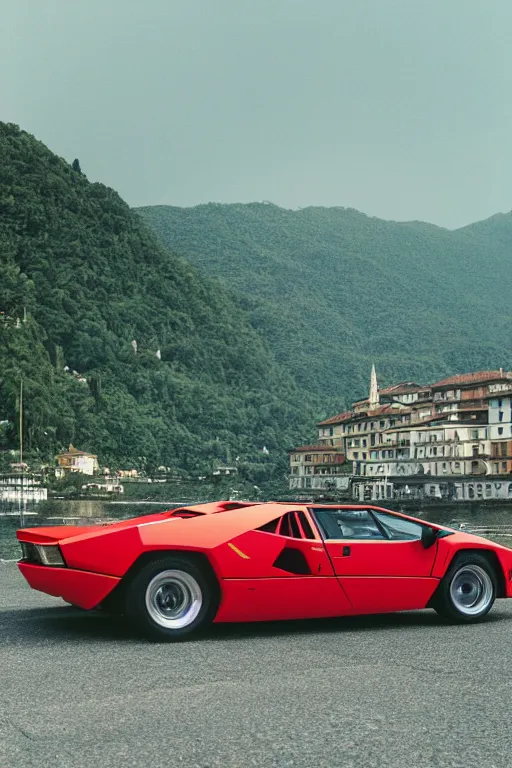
(295, 525)
(289, 526)
(398, 528)
(348, 524)
(270, 527)
(285, 528)
(305, 525)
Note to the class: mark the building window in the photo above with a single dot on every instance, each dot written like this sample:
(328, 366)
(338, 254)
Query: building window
(500, 415)
(474, 434)
(500, 403)
(504, 466)
(500, 430)
(471, 492)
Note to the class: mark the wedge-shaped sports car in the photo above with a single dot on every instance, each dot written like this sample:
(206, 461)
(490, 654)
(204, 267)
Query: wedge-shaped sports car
(174, 572)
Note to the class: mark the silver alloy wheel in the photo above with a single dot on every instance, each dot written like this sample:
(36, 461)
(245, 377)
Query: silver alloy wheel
(173, 599)
(471, 590)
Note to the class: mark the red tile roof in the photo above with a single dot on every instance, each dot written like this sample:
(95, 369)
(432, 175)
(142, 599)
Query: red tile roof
(336, 419)
(473, 378)
(304, 448)
(380, 410)
(75, 452)
(405, 387)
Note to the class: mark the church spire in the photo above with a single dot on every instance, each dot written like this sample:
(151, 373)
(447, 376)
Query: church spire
(374, 389)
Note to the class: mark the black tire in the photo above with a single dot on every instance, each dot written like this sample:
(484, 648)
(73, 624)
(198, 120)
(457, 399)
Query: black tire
(113, 604)
(171, 598)
(468, 590)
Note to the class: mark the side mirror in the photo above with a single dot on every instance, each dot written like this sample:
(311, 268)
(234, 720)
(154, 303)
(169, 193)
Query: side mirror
(428, 536)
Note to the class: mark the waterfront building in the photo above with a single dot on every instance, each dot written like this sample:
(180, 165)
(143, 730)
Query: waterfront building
(21, 487)
(109, 486)
(74, 460)
(448, 440)
(318, 467)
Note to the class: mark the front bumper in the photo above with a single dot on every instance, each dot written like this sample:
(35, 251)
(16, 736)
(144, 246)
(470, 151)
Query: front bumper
(82, 588)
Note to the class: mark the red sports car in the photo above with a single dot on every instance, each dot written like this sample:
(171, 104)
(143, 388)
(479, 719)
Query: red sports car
(174, 572)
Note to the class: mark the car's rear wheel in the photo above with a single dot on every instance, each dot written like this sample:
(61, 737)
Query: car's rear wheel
(171, 598)
(468, 591)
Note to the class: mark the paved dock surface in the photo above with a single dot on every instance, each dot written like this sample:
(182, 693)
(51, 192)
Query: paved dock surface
(80, 690)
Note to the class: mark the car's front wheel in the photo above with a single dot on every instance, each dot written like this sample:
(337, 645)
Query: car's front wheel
(468, 590)
(171, 598)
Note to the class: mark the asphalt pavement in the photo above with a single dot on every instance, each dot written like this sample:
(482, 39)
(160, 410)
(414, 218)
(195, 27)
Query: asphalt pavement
(80, 690)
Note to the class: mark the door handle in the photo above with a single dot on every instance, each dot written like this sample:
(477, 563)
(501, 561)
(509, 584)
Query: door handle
(346, 551)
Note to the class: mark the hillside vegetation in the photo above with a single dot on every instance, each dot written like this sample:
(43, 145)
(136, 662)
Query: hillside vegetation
(198, 385)
(333, 290)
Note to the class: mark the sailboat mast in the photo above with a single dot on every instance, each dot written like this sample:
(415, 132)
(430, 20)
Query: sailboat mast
(21, 421)
(22, 520)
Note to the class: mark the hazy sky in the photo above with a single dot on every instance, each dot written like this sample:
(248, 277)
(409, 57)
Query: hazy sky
(400, 108)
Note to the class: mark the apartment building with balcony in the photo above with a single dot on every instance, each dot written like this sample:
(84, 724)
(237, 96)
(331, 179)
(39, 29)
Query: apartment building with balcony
(318, 468)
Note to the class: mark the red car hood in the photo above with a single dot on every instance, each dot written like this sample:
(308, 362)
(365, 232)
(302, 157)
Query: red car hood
(459, 537)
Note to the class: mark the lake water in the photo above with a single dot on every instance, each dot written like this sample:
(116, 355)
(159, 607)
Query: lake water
(59, 511)
(488, 519)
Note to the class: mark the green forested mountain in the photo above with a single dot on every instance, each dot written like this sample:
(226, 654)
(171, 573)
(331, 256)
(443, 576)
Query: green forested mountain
(201, 384)
(333, 290)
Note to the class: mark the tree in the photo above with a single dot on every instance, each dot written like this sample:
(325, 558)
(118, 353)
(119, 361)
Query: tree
(92, 279)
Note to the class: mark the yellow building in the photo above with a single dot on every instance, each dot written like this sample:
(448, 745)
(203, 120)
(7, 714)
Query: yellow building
(74, 460)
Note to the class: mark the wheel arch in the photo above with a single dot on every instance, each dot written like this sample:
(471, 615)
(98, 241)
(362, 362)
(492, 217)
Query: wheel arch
(493, 560)
(199, 559)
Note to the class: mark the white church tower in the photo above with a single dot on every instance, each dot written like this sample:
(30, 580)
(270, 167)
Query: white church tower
(374, 390)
